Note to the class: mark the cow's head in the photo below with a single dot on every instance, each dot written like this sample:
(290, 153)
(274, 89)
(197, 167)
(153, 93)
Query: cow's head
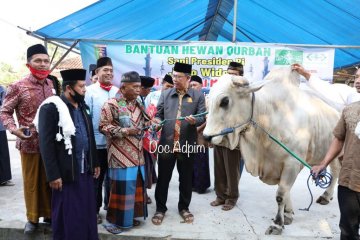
(229, 105)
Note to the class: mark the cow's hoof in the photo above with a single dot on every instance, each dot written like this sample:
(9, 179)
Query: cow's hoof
(323, 201)
(274, 230)
(288, 220)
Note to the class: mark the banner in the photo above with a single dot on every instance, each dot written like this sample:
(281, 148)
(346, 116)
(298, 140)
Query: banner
(209, 60)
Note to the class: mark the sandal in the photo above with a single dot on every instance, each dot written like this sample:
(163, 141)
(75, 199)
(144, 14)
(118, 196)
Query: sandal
(112, 228)
(148, 200)
(158, 218)
(217, 203)
(187, 216)
(136, 223)
(227, 207)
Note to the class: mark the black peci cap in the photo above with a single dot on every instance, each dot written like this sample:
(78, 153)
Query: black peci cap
(36, 49)
(196, 78)
(103, 61)
(73, 75)
(147, 82)
(182, 67)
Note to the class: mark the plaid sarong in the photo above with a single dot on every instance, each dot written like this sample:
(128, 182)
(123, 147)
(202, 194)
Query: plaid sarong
(126, 196)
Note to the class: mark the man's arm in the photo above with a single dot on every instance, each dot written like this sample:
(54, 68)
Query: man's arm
(2, 95)
(301, 70)
(89, 101)
(107, 126)
(201, 108)
(334, 150)
(10, 103)
(333, 95)
(160, 107)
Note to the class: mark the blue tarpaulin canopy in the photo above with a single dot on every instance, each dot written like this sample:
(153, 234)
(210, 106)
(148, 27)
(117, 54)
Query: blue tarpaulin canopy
(329, 23)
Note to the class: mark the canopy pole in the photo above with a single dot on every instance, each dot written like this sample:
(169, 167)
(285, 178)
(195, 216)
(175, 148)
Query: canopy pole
(234, 22)
(53, 56)
(65, 54)
(47, 40)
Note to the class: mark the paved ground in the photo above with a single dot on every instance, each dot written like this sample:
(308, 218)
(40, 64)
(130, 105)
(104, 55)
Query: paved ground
(248, 220)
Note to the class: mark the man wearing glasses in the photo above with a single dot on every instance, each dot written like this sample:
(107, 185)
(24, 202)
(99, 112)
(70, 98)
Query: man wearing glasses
(177, 141)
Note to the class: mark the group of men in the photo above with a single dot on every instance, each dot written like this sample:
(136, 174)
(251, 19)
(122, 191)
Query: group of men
(71, 145)
(96, 132)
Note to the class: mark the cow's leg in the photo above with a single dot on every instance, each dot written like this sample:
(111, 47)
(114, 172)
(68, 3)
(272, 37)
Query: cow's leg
(288, 212)
(276, 228)
(287, 180)
(325, 198)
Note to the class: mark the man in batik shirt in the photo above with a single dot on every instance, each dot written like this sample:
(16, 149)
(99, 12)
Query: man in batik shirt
(122, 119)
(24, 97)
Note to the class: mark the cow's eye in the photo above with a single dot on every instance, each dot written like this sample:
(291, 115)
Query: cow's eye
(224, 102)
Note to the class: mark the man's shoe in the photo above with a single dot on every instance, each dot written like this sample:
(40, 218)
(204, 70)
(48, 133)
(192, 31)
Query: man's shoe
(47, 220)
(30, 227)
(7, 184)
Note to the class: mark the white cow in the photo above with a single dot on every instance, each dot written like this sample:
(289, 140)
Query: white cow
(297, 118)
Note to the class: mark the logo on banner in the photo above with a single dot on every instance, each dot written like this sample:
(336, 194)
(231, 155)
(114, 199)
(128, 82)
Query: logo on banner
(316, 57)
(100, 51)
(288, 57)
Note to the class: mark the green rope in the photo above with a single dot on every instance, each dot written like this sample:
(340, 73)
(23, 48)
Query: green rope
(290, 152)
(181, 118)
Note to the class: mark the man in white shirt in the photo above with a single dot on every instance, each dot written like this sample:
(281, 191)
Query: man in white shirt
(336, 95)
(154, 97)
(95, 97)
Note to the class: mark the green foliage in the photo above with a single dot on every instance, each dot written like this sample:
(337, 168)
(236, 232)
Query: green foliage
(8, 75)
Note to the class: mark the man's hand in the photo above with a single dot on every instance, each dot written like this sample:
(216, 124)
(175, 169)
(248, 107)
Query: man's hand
(133, 131)
(190, 119)
(20, 133)
(315, 170)
(96, 172)
(156, 124)
(301, 70)
(156, 127)
(56, 184)
(147, 124)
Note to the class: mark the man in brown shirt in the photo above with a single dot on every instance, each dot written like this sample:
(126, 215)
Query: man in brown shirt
(24, 97)
(228, 164)
(349, 179)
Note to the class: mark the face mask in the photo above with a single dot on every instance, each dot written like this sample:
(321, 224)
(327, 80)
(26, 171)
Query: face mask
(39, 74)
(77, 97)
(106, 87)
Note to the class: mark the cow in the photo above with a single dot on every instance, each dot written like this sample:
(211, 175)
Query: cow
(298, 118)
